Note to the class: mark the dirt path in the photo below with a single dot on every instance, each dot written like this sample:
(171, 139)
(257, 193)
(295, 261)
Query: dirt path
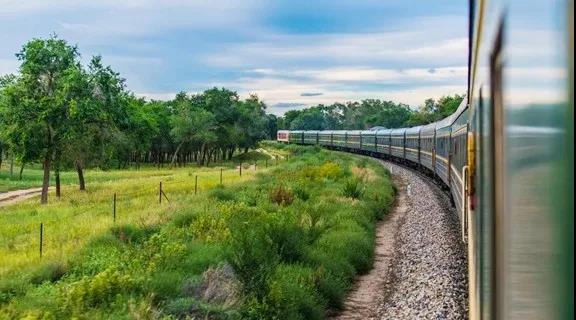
(11, 197)
(366, 295)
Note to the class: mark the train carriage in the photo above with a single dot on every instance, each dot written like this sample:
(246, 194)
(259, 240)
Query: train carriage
(442, 144)
(282, 135)
(368, 138)
(339, 138)
(397, 143)
(427, 146)
(325, 138)
(412, 144)
(353, 139)
(383, 141)
(310, 137)
(296, 136)
(458, 156)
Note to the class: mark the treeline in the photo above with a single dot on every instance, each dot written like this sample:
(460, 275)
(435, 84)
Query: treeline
(63, 114)
(368, 113)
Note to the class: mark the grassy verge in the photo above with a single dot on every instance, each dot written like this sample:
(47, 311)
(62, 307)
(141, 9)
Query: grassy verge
(284, 245)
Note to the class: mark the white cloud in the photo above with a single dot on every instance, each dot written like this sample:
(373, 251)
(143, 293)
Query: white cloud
(381, 75)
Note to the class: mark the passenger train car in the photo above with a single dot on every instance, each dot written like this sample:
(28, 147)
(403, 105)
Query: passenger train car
(506, 155)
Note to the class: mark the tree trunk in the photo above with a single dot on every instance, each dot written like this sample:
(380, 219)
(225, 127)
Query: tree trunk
(80, 172)
(176, 154)
(21, 170)
(11, 165)
(57, 176)
(46, 179)
(202, 154)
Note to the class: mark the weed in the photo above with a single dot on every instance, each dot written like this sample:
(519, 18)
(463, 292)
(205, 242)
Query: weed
(281, 195)
(353, 188)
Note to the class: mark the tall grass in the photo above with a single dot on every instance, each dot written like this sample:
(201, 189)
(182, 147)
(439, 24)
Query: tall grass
(237, 251)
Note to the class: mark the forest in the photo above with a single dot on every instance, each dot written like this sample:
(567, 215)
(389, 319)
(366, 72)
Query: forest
(369, 113)
(63, 115)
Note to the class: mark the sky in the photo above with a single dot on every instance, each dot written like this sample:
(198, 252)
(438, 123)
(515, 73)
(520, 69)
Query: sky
(291, 54)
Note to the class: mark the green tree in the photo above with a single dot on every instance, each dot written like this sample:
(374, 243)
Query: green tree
(39, 102)
(193, 126)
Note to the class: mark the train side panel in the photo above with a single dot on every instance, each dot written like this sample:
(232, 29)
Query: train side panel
(383, 141)
(368, 140)
(397, 143)
(427, 145)
(412, 146)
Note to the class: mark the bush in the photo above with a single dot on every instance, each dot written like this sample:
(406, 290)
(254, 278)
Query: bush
(131, 234)
(281, 195)
(252, 254)
(222, 194)
(101, 289)
(301, 193)
(184, 219)
(289, 239)
(50, 272)
(352, 188)
(292, 294)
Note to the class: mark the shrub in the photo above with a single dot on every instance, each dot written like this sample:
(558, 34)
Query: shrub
(328, 170)
(131, 234)
(281, 195)
(352, 188)
(50, 272)
(292, 294)
(210, 227)
(252, 254)
(301, 193)
(222, 194)
(101, 289)
(289, 239)
(184, 219)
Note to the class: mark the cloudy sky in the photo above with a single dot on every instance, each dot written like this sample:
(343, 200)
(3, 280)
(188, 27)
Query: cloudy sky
(291, 53)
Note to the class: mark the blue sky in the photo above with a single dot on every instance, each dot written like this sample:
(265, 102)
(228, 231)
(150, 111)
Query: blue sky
(290, 53)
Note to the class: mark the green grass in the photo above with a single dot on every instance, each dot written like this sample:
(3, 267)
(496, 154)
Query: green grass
(259, 257)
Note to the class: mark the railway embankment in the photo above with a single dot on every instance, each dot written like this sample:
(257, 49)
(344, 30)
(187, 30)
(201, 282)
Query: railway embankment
(420, 264)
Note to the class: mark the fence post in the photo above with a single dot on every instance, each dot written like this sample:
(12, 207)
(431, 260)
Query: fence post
(114, 207)
(276, 157)
(266, 163)
(160, 193)
(255, 164)
(240, 168)
(41, 237)
(221, 175)
(196, 184)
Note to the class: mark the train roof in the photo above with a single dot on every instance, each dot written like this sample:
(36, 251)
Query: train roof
(413, 130)
(449, 120)
(368, 132)
(397, 132)
(384, 131)
(431, 127)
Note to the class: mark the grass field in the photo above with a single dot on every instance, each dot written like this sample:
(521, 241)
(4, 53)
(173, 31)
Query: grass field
(32, 174)
(283, 243)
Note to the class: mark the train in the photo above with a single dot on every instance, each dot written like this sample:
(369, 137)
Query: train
(506, 155)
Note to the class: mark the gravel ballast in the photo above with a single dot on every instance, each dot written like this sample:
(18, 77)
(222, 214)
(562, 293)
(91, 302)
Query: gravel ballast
(420, 266)
(428, 275)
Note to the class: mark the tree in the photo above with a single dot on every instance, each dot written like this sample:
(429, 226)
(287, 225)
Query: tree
(38, 102)
(193, 126)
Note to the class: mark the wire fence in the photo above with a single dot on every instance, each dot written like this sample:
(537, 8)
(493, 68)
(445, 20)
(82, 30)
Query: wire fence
(159, 192)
